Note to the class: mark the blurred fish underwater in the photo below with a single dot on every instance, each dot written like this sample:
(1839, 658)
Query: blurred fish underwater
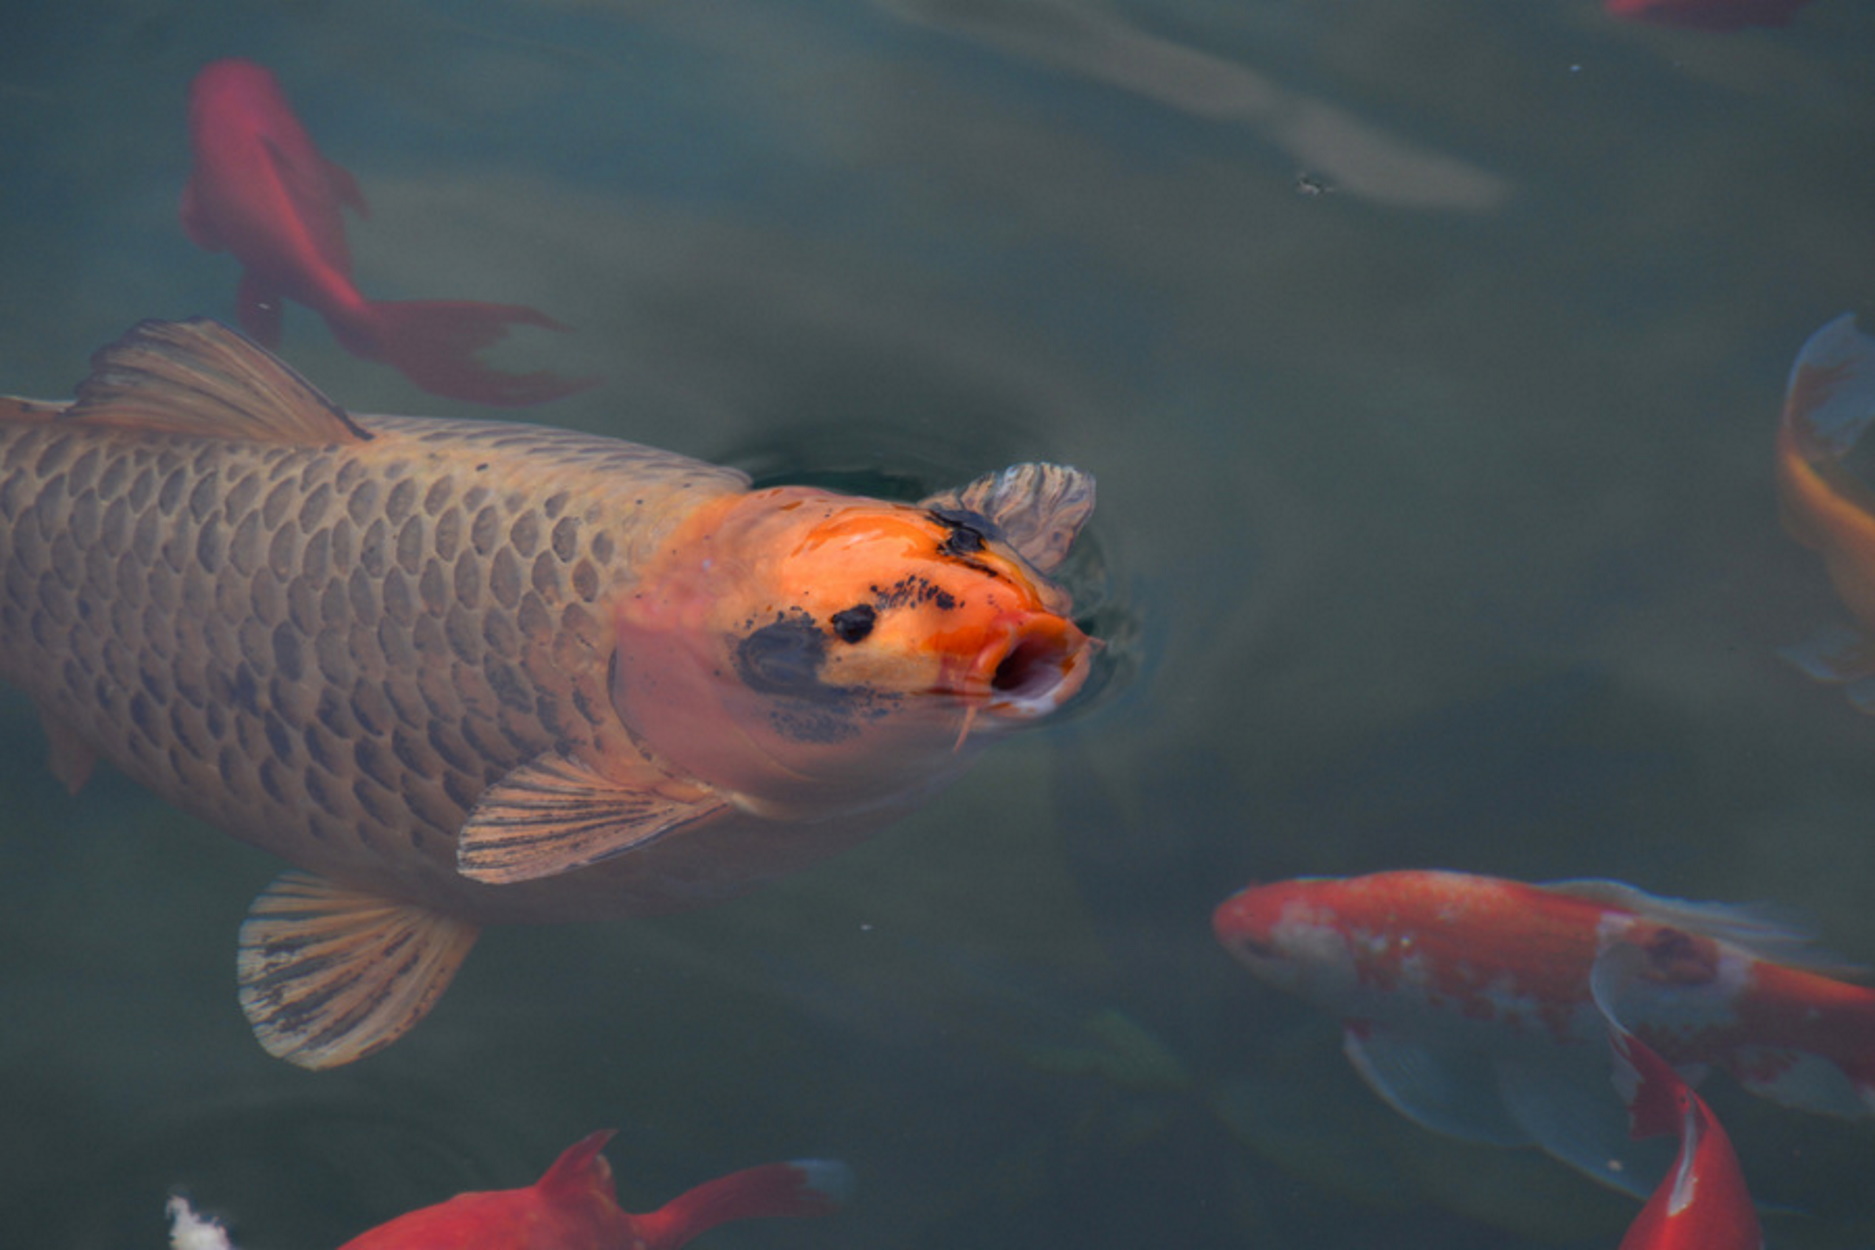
(1429, 356)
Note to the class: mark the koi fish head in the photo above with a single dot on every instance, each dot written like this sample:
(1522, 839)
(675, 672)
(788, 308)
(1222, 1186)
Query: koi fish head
(1284, 933)
(811, 652)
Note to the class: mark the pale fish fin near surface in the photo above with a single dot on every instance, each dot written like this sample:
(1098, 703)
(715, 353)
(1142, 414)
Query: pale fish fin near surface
(1038, 508)
(1762, 931)
(1835, 654)
(556, 813)
(67, 753)
(1449, 1091)
(1564, 1100)
(330, 974)
(200, 378)
(1838, 361)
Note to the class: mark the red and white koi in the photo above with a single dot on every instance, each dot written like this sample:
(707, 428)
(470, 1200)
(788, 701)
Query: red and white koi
(1468, 1007)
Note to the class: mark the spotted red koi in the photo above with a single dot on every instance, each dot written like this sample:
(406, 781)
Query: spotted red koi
(1467, 1001)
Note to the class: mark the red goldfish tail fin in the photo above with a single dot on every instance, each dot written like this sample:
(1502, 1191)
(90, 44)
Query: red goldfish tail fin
(1655, 1094)
(775, 1190)
(580, 1170)
(434, 342)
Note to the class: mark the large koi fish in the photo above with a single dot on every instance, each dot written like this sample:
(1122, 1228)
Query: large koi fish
(462, 672)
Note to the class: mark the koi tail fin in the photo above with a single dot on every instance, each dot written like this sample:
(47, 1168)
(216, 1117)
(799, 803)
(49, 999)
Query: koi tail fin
(434, 342)
(803, 1187)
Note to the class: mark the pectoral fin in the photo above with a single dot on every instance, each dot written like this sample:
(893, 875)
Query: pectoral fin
(1453, 1092)
(556, 813)
(1038, 508)
(329, 974)
(1566, 1102)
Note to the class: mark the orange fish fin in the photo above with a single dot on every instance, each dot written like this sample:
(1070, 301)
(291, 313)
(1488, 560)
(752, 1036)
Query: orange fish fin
(69, 755)
(330, 974)
(1038, 508)
(200, 378)
(556, 813)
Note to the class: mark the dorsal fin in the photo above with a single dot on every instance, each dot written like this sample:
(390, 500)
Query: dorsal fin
(1754, 928)
(580, 1169)
(200, 378)
(1039, 508)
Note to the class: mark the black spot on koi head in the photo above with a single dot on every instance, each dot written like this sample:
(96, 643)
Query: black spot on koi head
(914, 590)
(784, 658)
(968, 530)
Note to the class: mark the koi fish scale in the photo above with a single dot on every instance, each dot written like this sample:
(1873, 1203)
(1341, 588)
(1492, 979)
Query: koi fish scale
(335, 653)
(465, 672)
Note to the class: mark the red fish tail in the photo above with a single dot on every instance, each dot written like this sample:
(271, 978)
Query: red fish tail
(804, 1187)
(434, 342)
(1657, 1097)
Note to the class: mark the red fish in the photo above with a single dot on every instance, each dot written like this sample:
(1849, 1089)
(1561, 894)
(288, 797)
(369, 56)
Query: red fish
(1468, 1008)
(1703, 1203)
(574, 1207)
(1708, 14)
(1828, 404)
(261, 190)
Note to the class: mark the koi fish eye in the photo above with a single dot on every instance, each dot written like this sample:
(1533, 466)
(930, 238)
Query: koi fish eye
(854, 623)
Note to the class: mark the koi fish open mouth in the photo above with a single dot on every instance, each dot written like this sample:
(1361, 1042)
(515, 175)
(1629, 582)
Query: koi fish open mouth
(1033, 668)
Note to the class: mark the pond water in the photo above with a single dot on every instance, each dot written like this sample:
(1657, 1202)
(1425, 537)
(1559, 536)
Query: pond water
(1428, 355)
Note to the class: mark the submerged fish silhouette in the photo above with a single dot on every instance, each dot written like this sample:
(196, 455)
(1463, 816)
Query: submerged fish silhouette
(466, 672)
(261, 190)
